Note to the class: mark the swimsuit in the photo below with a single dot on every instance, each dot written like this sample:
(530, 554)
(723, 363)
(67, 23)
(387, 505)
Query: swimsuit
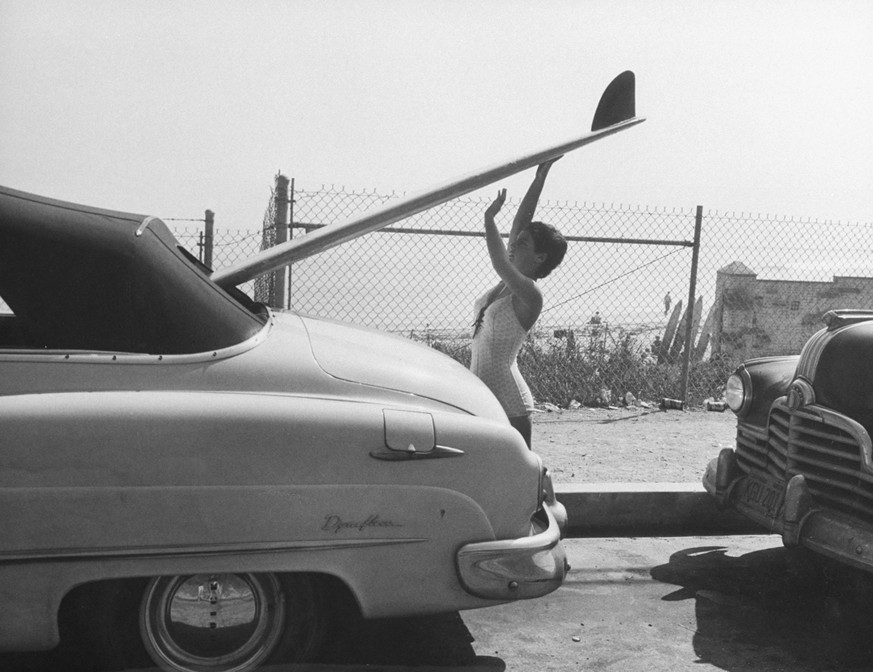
(496, 342)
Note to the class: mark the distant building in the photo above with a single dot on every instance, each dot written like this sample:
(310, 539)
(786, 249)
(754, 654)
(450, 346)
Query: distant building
(758, 318)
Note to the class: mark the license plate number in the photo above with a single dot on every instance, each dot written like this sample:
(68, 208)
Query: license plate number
(764, 495)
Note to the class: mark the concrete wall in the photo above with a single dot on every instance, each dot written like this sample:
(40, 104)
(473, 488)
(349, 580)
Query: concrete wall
(757, 318)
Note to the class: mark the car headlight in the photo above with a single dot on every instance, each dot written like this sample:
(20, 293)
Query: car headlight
(737, 392)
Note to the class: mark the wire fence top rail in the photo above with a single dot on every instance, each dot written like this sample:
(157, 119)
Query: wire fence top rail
(480, 234)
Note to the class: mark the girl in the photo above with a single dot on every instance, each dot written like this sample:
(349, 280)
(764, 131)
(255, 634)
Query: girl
(507, 312)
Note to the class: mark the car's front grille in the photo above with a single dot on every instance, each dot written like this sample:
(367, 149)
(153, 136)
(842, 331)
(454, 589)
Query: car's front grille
(751, 448)
(829, 450)
(755, 454)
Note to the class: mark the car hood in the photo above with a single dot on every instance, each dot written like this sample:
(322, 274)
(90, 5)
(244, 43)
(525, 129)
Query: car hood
(376, 358)
(843, 378)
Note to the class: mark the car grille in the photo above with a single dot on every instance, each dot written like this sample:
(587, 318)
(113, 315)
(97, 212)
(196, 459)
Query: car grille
(754, 453)
(826, 447)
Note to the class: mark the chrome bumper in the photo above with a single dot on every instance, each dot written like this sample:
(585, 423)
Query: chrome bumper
(516, 569)
(798, 519)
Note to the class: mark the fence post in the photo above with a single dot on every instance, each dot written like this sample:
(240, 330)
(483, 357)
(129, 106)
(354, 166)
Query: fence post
(290, 236)
(208, 237)
(277, 299)
(689, 311)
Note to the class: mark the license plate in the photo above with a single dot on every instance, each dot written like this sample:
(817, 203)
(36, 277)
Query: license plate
(764, 495)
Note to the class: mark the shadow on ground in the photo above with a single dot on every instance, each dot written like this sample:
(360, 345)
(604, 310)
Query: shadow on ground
(433, 643)
(436, 642)
(774, 605)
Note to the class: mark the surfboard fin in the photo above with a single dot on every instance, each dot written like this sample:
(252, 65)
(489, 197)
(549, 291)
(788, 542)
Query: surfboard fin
(618, 102)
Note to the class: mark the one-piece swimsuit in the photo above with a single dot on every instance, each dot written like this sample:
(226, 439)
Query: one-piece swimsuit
(496, 342)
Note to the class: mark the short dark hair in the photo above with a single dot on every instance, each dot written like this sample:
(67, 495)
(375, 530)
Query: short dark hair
(547, 239)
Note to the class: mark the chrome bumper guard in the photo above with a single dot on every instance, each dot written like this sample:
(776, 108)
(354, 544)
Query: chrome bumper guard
(800, 522)
(517, 569)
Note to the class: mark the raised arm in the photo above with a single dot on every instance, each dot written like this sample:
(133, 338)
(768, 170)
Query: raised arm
(517, 282)
(525, 213)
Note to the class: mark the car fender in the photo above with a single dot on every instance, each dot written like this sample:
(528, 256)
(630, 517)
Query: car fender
(108, 485)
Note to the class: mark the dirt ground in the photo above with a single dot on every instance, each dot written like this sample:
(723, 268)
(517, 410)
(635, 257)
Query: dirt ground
(630, 445)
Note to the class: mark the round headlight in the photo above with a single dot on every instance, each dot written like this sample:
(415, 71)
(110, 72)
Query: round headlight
(735, 392)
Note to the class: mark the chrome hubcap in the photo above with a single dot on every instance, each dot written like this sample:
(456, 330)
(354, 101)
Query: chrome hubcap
(212, 621)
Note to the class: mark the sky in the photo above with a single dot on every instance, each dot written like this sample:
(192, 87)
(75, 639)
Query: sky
(172, 107)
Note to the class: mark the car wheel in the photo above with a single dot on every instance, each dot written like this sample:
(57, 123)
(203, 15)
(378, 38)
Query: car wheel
(207, 622)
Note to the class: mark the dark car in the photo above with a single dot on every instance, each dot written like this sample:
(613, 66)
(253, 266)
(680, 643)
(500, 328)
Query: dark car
(803, 462)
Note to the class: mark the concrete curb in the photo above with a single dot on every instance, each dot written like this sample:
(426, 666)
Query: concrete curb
(647, 510)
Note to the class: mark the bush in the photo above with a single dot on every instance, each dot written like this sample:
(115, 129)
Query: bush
(594, 373)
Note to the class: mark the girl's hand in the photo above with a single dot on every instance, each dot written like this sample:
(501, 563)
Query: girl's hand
(495, 207)
(543, 168)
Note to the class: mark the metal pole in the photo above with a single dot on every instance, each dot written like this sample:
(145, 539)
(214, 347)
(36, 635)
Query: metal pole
(290, 236)
(277, 300)
(208, 238)
(689, 310)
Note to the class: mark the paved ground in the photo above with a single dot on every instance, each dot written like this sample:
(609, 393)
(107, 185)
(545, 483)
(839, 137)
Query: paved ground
(665, 604)
(681, 604)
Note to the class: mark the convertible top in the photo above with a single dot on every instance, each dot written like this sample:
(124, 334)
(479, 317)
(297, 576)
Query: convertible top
(85, 278)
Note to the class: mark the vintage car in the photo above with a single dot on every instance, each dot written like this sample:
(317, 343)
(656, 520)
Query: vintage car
(221, 468)
(803, 465)
(191, 475)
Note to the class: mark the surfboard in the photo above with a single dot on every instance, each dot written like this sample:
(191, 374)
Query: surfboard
(681, 330)
(695, 324)
(679, 337)
(615, 112)
(705, 335)
(670, 332)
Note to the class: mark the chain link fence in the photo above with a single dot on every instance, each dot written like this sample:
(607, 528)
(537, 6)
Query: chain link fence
(603, 316)
(603, 321)
(615, 322)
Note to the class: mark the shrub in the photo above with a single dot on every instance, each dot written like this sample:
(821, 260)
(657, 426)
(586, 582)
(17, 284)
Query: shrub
(595, 373)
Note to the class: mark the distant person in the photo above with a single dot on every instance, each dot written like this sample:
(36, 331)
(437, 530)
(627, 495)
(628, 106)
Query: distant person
(594, 324)
(508, 311)
(667, 301)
